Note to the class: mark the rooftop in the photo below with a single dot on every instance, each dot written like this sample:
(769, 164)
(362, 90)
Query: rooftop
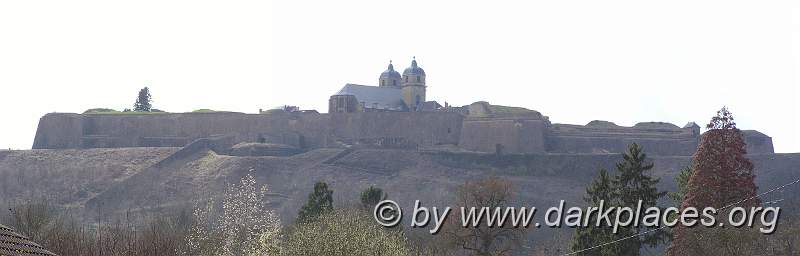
(375, 97)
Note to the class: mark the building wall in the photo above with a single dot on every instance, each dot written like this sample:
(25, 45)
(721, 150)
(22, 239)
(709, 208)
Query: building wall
(313, 130)
(295, 129)
(505, 135)
(410, 94)
(422, 128)
(343, 104)
(59, 130)
(132, 130)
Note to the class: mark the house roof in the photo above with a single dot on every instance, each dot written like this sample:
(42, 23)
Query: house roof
(15, 244)
(374, 97)
(430, 106)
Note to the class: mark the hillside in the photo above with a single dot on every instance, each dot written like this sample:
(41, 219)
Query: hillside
(126, 180)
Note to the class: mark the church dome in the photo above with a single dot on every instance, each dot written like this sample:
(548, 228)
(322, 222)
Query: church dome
(414, 69)
(390, 72)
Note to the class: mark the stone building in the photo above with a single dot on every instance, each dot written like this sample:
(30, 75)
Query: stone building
(395, 93)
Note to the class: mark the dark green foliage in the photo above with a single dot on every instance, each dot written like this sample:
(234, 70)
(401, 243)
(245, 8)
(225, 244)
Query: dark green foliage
(601, 190)
(143, 101)
(319, 202)
(634, 184)
(631, 185)
(372, 196)
(683, 181)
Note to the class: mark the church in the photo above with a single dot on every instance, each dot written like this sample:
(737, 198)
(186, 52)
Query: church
(395, 92)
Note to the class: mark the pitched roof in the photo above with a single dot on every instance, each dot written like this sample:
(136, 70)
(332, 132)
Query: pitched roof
(15, 244)
(430, 106)
(375, 97)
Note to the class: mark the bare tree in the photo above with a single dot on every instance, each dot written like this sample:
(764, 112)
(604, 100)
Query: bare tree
(482, 239)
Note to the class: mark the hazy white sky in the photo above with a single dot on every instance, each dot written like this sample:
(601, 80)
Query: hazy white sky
(575, 61)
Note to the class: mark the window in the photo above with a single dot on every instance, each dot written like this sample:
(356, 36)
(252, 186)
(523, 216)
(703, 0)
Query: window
(382, 82)
(419, 79)
(394, 82)
(406, 79)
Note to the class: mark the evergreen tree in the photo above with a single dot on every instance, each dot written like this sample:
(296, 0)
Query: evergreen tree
(682, 180)
(722, 175)
(633, 184)
(320, 201)
(143, 101)
(372, 196)
(600, 190)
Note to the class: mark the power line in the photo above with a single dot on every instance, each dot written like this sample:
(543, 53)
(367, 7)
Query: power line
(653, 230)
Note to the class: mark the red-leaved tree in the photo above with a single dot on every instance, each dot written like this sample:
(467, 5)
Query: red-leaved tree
(722, 176)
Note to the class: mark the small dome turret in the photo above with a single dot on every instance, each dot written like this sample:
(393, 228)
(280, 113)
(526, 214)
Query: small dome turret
(414, 69)
(390, 72)
(390, 77)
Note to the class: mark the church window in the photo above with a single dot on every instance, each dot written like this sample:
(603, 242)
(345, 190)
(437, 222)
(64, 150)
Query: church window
(419, 79)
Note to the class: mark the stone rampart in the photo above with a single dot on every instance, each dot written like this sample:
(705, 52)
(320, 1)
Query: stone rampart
(504, 132)
(132, 130)
(503, 135)
(421, 128)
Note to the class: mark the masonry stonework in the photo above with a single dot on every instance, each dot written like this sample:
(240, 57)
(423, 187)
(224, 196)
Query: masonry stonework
(486, 131)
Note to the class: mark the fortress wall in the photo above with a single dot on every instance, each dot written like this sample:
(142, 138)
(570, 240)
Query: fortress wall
(309, 130)
(512, 135)
(668, 142)
(619, 144)
(154, 130)
(656, 138)
(422, 128)
(58, 130)
(299, 130)
(758, 143)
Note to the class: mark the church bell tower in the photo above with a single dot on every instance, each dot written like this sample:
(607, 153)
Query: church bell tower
(413, 88)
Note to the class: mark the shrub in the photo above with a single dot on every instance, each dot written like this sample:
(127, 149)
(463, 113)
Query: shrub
(244, 227)
(100, 110)
(344, 232)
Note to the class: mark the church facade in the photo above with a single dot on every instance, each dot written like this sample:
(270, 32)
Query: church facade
(394, 93)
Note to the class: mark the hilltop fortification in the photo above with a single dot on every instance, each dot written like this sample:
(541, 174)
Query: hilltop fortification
(479, 127)
(394, 114)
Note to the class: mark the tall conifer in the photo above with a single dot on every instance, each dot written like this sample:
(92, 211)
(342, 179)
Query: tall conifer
(143, 101)
(722, 175)
(600, 190)
(634, 183)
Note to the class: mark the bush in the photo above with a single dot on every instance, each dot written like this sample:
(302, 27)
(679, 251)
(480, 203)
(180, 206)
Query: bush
(344, 232)
(244, 227)
(100, 110)
(59, 232)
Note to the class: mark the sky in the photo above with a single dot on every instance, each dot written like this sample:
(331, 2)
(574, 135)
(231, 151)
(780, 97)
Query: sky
(574, 61)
